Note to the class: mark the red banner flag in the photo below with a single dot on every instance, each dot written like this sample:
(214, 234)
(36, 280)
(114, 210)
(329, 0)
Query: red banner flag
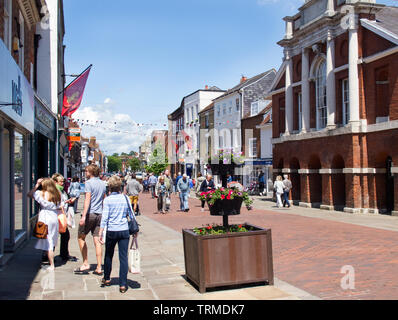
(73, 94)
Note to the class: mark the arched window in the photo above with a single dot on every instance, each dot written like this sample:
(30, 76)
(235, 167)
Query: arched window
(321, 98)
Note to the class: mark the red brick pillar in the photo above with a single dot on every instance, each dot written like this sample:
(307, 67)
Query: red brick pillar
(372, 192)
(365, 191)
(353, 192)
(327, 196)
(305, 188)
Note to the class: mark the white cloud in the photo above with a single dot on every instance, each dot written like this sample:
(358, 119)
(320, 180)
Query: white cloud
(108, 101)
(129, 138)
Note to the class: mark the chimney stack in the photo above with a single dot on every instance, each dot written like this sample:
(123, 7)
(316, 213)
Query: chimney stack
(206, 87)
(244, 79)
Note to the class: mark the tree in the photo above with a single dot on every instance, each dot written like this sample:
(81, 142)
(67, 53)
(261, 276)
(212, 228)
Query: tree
(158, 161)
(114, 164)
(135, 164)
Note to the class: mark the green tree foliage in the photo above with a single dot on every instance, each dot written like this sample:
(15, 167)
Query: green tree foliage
(158, 161)
(114, 164)
(135, 164)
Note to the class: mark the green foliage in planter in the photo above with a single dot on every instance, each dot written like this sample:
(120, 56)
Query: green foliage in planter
(219, 230)
(225, 194)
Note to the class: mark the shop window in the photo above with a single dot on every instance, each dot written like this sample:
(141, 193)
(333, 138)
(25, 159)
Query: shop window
(254, 109)
(18, 182)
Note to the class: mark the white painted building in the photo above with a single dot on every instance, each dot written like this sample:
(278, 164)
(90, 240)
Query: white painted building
(193, 104)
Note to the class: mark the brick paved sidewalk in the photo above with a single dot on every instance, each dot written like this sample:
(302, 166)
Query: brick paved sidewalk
(162, 274)
(312, 246)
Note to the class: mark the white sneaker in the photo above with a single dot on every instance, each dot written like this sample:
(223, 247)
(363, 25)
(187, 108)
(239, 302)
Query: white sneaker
(203, 210)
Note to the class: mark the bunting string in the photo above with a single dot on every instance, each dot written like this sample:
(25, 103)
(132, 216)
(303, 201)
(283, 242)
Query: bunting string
(134, 124)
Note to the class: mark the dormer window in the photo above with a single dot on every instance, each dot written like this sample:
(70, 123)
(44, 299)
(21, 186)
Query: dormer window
(254, 109)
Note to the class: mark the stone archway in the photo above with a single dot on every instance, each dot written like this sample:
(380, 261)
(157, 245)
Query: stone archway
(338, 183)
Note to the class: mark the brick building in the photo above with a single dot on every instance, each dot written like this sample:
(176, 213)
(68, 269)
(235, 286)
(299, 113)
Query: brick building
(175, 149)
(206, 121)
(256, 128)
(335, 106)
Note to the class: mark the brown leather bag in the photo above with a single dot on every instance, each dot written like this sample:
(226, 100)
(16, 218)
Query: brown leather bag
(41, 230)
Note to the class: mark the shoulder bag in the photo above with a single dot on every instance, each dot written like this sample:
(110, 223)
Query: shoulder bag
(133, 224)
(40, 231)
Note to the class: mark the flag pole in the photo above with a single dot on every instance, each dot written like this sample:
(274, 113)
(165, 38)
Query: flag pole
(75, 79)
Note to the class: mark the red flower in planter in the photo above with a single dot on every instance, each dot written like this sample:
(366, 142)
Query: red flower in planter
(222, 197)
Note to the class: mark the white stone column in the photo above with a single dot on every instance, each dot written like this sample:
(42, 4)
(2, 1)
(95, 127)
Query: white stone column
(331, 82)
(289, 94)
(305, 91)
(353, 72)
(330, 8)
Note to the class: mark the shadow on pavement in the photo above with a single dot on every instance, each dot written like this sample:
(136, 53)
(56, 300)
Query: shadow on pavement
(17, 277)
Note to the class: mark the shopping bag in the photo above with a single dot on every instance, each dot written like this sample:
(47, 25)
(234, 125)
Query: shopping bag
(134, 258)
(62, 222)
(168, 202)
(71, 218)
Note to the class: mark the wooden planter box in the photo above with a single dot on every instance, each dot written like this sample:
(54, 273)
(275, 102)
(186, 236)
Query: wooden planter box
(230, 259)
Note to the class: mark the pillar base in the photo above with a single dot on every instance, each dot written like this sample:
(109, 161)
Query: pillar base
(305, 205)
(352, 210)
(326, 207)
(394, 213)
(331, 126)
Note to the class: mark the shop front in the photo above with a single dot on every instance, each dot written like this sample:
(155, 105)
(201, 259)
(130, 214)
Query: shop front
(16, 135)
(252, 170)
(43, 155)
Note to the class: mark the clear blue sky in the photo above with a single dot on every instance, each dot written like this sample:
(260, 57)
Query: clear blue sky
(148, 55)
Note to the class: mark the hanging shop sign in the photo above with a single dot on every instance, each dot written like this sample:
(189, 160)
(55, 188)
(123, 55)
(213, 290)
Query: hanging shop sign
(74, 134)
(44, 120)
(15, 91)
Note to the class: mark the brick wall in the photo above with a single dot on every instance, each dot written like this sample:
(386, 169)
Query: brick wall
(381, 99)
(341, 50)
(29, 39)
(297, 68)
(250, 124)
(371, 43)
(278, 115)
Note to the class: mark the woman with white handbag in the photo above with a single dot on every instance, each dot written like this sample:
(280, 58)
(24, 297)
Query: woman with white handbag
(116, 210)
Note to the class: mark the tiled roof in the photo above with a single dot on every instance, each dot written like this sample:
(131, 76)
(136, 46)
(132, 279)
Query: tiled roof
(387, 18)
(246, 83)
(208, 108)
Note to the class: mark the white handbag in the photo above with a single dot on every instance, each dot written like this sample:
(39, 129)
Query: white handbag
(168, 202)
(134, 258)
(70, 216)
